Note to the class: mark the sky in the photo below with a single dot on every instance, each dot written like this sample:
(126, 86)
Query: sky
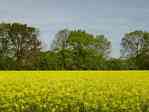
(113, 18)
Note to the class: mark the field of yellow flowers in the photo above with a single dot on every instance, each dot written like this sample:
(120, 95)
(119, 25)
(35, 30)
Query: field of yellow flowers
(125, 91)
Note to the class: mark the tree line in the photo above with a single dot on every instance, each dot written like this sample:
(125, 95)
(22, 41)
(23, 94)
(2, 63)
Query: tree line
(21, 49)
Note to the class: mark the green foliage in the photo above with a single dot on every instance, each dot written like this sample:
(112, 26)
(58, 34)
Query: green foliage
(19, 42)
(7, 63)
(20, 49)
(78, 50)
(60, 40)
(132, 43)
(136, 47)
(81, 39)
(120, 64)
(52, 60)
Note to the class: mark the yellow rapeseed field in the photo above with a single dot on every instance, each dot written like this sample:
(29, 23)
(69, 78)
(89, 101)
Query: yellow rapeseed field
(77, 91)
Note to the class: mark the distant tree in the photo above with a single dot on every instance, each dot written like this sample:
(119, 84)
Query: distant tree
(85, 40)
(143, 58)
(60, 40)
(7, 63)
(132, 44)
(52, 60)
(81, 49)
(47, 61)
(60, 45)
(20, 42)
(119, 64)
(135, 46)
(90, 50)
(103, 45)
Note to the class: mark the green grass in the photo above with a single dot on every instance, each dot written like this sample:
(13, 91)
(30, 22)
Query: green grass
(74, 91)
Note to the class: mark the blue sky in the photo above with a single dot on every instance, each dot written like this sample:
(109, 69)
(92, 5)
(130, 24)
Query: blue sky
(112, 18)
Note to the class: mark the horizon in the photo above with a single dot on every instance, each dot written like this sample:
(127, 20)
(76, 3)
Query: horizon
(112, 19)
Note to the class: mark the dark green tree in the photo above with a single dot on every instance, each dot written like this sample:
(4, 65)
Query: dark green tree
(79, 50)
(19, 42)
(135, 47)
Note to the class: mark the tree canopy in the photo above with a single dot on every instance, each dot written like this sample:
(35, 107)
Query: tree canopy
(20, 49)
(135, 46)
(20, 43)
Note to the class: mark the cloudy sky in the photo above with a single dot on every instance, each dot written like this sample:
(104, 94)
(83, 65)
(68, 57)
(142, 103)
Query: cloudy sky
(112, 18)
